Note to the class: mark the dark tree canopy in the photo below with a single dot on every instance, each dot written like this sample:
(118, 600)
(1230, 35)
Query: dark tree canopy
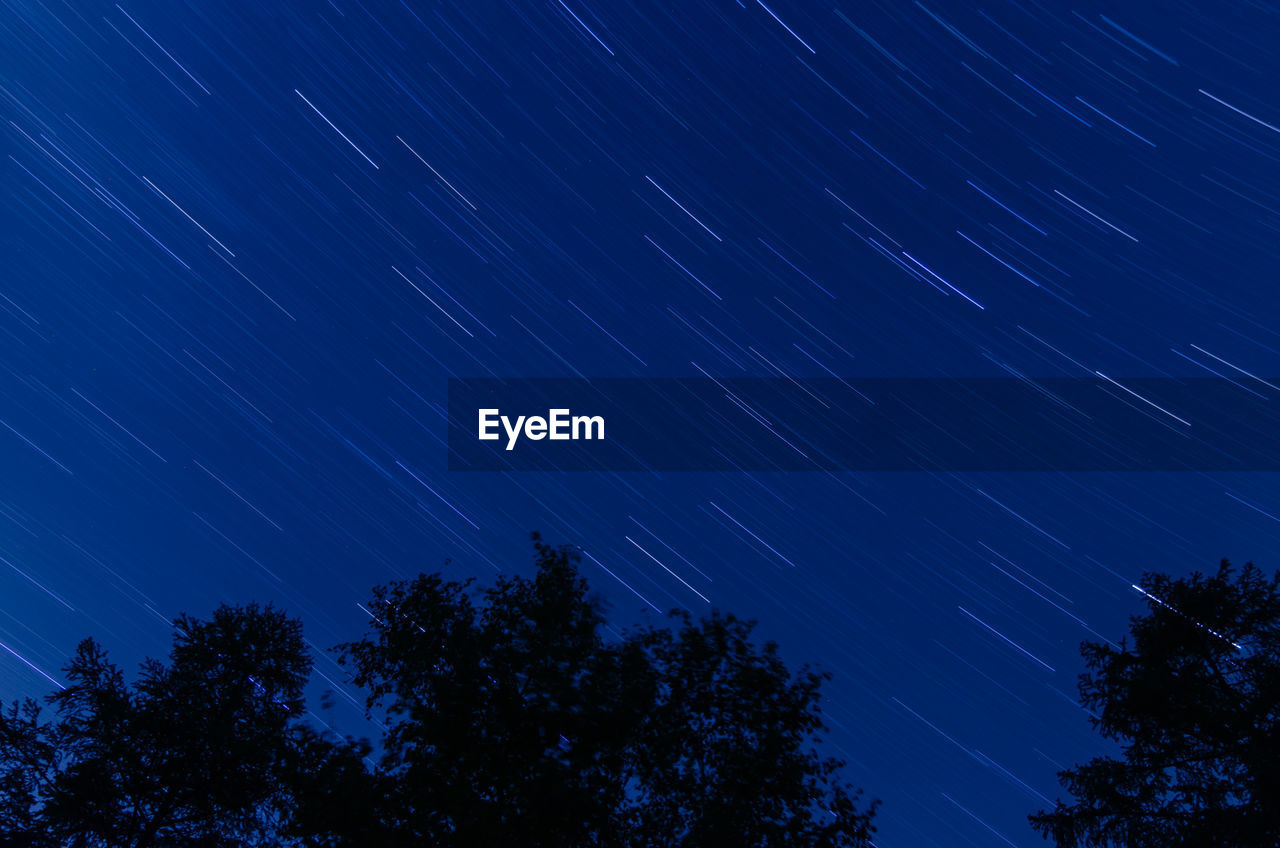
(194, 753)
(1194, 701)
(508, 717)
(515, 722)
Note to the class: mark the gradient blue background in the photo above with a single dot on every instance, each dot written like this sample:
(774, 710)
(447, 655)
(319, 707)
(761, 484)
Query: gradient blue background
(231, 394)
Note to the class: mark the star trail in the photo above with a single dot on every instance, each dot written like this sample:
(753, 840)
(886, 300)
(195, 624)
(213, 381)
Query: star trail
(246, 245)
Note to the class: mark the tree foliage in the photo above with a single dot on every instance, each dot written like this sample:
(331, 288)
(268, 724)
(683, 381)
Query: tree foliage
(515, 721)
(1194, 703)
(192, 754)
(509, 716)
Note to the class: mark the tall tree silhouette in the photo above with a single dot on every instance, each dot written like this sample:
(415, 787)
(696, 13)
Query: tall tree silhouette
(1195, 704)
(195, 753)
(515, 722)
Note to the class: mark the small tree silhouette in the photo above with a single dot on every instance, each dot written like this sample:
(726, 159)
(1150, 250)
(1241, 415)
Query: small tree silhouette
(1195, 702)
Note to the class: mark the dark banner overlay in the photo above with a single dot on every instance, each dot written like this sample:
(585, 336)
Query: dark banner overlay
(753, 424)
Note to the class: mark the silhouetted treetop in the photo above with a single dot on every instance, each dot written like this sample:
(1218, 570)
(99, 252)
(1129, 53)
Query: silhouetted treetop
(507, 717)
(514, 721)
(193, 753)
(1194, 700)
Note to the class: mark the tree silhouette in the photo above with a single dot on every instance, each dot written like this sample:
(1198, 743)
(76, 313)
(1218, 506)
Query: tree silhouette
(1195, 703)
(516, 722)
(509, 719)
(195, 753)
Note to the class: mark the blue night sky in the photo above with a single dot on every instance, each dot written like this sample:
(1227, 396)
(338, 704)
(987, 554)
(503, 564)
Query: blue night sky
(246, 244)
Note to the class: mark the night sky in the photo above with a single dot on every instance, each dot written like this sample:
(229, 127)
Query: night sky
(245, 245)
